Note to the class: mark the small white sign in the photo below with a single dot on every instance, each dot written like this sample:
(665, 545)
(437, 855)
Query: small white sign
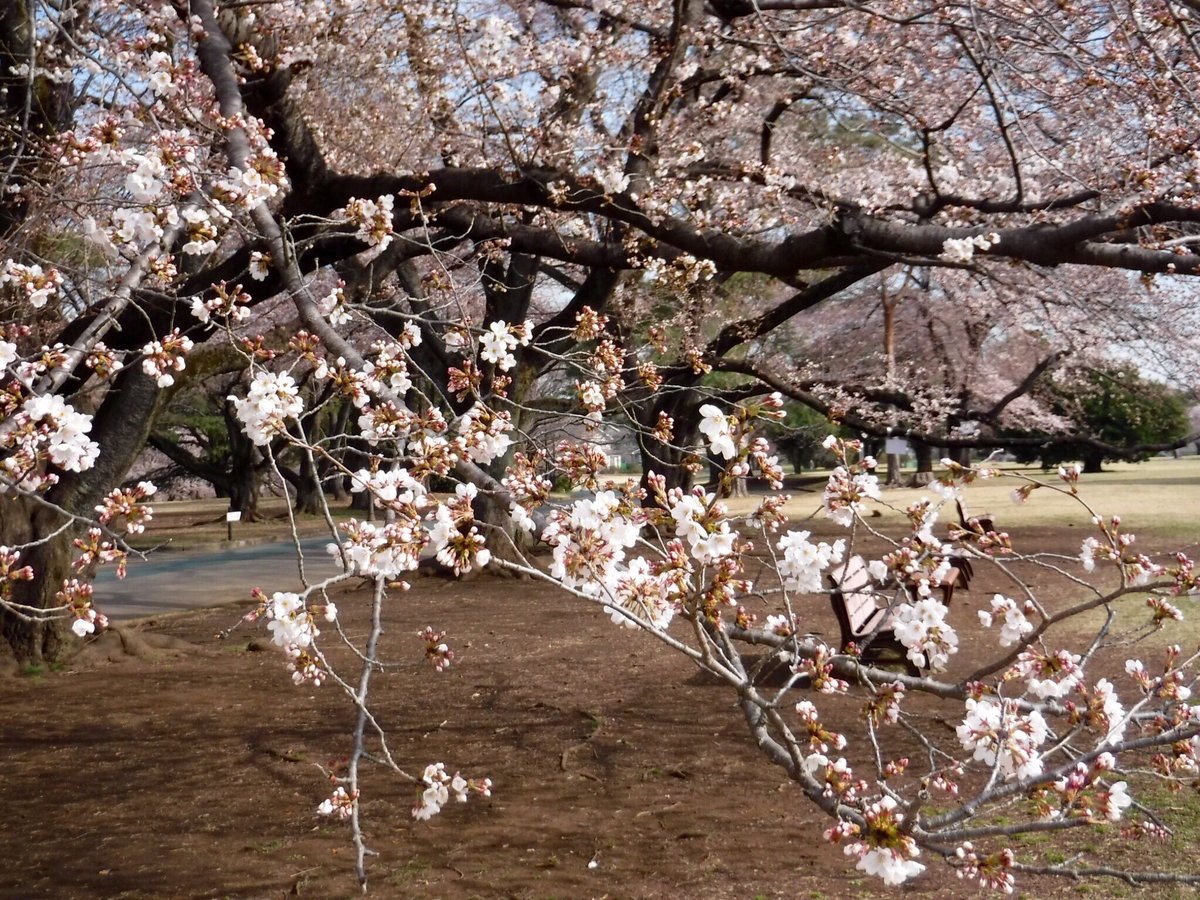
(233, 516)
(898, 446)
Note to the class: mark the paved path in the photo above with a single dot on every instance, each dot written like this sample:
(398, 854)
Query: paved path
(170, 582)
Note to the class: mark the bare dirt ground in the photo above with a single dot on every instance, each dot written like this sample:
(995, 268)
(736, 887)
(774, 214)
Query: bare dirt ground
(188, 771)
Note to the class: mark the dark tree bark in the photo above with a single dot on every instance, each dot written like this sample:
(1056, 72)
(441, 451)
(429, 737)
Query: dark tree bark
(245, 472)
(961, 455)
(668, 459)
(216, 476)
(31, 110)
(120, 426)
(308, 487)
(23, 521)
(894, 464)
(924, 456)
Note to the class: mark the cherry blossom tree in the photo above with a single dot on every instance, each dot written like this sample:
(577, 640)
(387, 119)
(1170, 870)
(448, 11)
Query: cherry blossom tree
(459, 220)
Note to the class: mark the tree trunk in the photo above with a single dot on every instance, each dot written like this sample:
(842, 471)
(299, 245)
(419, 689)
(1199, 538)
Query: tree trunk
(715, 470)
(23, 521)
(924, 456)
(120, 426)
(505, 541)
(244, 493)
(331, 480)
(667, 459)
(893, 470)
(305, 479)
(31, 109)
(1093, 462)
(308, 487)
(244, 481)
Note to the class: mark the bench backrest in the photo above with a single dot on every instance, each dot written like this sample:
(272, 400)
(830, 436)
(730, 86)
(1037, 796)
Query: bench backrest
(853, 584)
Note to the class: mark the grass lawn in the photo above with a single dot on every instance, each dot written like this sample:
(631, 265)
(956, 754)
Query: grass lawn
(191, 524)
(1160, 496)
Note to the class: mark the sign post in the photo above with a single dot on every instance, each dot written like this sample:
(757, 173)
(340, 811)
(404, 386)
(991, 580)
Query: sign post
(231, 517)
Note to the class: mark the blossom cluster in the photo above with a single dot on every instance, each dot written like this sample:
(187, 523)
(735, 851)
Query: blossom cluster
(37, 286)
(162, 359)
(500, 339)
(923, 629)
(803, 562)
(646, 593)
(289, 621)
(371, 219)
(995, 733)
(388, 369)
(127, 507)
(701, 520)
(718, 431)
(1048, 676)
(1170, 685)
(76, 597)
(590, 541)
(273, 398)
(1081, 793)
(388, 550)
(437, 651)
(992, 870)
(340, 804)
(94, 550)
(485, 433)
(232, 303)
(962, 250)
(439, 787)
(10, 572)
(455, 538)
(43, 430)
(1012, 616)
(851, 485)
(880, 844)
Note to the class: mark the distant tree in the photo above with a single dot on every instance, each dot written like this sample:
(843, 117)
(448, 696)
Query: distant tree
(200, 434)
(1116, 407)
(798, 436)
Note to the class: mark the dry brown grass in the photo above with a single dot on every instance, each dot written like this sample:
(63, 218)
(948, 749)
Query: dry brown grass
(188, 524)
(1160, 496)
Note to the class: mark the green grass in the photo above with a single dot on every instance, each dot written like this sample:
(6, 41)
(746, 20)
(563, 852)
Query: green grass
(40, 670)
(1180, 812)
(415, 870)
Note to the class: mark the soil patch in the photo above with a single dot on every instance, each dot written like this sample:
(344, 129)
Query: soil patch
(189, 770)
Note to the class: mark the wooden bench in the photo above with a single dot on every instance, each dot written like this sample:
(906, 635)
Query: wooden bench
(861, 620)
(869, 626)
(959, 576)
